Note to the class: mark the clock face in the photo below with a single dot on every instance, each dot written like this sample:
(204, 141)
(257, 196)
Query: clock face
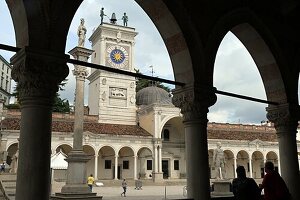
(117, 56)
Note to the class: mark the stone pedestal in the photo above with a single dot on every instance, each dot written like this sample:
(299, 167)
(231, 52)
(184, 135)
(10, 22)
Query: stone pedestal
(157, 177)
(221, 188)
(65, 196)
(76, 187)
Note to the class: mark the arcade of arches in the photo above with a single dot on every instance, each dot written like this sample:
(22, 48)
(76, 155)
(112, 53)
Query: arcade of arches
(192, 31)
(135, 154)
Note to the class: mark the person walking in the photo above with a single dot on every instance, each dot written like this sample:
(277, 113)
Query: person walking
(124, 186)
(90, 182)
(245, 188)
(274, 185)
(2, 168)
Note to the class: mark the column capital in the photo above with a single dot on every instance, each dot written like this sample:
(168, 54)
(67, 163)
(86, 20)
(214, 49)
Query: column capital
(38, 73)
(285, 117)
(194, 101)
(80, 72)
(82, 54)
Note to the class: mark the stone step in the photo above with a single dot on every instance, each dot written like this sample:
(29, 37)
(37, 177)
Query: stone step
(9, 182)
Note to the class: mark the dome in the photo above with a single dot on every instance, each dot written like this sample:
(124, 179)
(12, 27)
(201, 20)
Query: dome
(153, 94)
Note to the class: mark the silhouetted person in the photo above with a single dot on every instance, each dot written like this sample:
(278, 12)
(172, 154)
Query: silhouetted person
(273, 184)
(245, 188)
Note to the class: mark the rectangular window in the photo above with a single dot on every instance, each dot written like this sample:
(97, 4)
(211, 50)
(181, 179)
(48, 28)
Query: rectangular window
(149, 164)
(125, 164)
(176, 164)
(166, 135)
(107, 164)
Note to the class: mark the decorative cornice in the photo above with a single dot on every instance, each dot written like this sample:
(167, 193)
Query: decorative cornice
(285, 117)
(38, 73)
(194, 101)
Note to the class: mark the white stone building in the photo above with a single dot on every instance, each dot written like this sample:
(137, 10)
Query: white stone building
(5, 82)
(131, 135)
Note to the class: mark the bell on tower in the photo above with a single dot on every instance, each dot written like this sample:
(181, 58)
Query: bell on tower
(113, 19)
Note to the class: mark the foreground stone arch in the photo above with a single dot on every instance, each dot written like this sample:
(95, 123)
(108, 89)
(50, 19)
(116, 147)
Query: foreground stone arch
(190, 35)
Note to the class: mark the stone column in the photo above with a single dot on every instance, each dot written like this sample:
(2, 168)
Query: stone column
(157, 176)
(235, 166)
(76, 184)
(285, 118)
(96, 167)
(38, 74)
(250, 168)
(116, 167)
(194, 102)
(155, 158)
(279, 167)
(159, 159)
(134, 167)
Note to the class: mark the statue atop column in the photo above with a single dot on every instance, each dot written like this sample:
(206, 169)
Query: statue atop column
(81, 32)
(219, 162)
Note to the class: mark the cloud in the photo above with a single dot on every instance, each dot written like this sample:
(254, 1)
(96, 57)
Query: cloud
(235, 70)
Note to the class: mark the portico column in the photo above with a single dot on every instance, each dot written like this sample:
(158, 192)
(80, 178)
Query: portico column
(155, 158)
(159, 159)
(194, 102)
(285, 118)
(250, 167)
(234, 163)
(279, 167)
(116, 167)
(96, 167)
(38, 74)
(134, 167)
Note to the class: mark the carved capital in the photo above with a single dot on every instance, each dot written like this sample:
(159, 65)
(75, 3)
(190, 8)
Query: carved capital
(194, 101)
(38, 73)
(80, 72)
(285, 117)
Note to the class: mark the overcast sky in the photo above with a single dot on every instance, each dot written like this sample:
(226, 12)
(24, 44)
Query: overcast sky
(235, 71)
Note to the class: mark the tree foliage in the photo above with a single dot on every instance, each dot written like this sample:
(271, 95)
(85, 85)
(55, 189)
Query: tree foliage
(59, 105)
(143, 83)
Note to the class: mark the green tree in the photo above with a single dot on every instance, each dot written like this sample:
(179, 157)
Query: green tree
(59, 105)
(142, 83)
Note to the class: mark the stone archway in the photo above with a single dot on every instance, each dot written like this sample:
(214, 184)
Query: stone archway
(90, 165)
(229, 165)
(242, 159)
(257, 164)
(144, 163)
(11, 150)
(126, 163)
(65, 148)
(106, 157)
(273, 157)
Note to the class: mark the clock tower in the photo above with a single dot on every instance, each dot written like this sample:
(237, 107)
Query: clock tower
(111, 95)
